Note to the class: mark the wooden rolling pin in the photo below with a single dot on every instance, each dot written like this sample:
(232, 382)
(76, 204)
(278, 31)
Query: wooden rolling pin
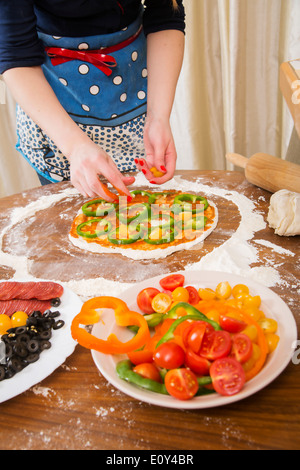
(268, 172)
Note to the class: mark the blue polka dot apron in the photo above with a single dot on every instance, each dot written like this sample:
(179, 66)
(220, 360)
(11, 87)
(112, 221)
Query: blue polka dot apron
(101, 81)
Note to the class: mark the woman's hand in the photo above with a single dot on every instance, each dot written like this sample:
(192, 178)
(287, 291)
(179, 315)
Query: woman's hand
(160, 151)
(87, 162)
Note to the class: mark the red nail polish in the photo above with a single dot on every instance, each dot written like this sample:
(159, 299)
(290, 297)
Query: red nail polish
(144, 171)
(152, 182)
(163, 168)
(136, 161)
(141, 162)
(129, 198)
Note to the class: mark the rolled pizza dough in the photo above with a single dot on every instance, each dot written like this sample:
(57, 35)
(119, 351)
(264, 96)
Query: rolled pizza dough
(284, 213)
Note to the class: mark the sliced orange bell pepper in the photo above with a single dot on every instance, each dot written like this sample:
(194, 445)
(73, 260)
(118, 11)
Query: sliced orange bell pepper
(124, 317)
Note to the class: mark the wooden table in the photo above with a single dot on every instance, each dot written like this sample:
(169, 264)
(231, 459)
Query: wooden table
(76, 408)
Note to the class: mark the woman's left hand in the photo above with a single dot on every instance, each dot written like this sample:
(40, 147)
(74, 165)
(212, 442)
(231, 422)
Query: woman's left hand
(160, 150)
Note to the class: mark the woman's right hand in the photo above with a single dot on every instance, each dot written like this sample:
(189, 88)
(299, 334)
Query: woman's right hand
(87, 162)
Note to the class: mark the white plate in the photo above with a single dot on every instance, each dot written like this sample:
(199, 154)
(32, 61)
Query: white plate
(272, 305)
(62, 346)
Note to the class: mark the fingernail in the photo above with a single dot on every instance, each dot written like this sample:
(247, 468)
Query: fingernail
(129, 198)
(141, 162)
(152, 182)
(136, 161)
(163, 168)
(144, 171)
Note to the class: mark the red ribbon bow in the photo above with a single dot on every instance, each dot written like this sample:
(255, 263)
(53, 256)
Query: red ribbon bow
(103, 62)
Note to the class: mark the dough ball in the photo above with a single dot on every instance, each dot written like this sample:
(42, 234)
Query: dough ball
(284, 213)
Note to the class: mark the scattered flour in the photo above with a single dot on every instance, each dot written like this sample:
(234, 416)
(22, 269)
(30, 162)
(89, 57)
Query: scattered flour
(274, 247)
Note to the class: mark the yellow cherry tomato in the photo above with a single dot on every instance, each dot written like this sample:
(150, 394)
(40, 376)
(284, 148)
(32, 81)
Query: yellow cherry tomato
(156, 173)
(251, 301)
(213, 315)
(253, 359)
(5, 323)
(19, 319)
(161, 303)
(272, 341)
(254, 313)
(223, 290)
(239, 290)
(269, 325)
(206, 294)
(180, 294)
(251, 332)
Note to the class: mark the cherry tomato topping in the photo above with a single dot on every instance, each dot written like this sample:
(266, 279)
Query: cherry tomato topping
(19, 319)
(215, 345)
(141, 356)
(172, 281)
(181, 383)
(232, 325)
(196, 363)
(193, 335)
(194, 297)
(227, 375)
(5, 323)
(242, 347)
(180, 294)
(144, 299)
(169, 355)
(147, 370)
(161, 302)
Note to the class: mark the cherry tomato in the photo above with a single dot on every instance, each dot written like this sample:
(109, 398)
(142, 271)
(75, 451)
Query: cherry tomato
(194, 297)
(196, 363)
(161, 302)
(239, 290)
(19, 319)
(232, 325)
(227, 375)
(144, 299)
(140, 357)
(172, 281)
(169, 355)
(180, 294)
(181, 383)
(147, 370)
(242, 347)
(215, 345)
(193, 334)
(223, 290)
(5, 323)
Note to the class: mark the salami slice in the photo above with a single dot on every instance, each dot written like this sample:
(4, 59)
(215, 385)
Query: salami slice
(9, 307)
(43, 290)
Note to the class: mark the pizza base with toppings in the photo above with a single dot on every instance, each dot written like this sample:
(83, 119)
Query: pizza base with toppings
(152, 225)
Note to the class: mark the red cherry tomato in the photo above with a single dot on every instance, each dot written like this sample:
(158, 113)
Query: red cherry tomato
(172, 281)
(228, 376)
(242, 347)
(194, 296)
(144, 299)
(169, 355)
(140, 356)
(193, 334)
(196, 363)
(215, 345)
(232, 325)
(149, 371)
(181, 383)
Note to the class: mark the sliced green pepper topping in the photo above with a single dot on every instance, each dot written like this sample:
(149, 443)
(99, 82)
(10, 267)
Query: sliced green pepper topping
(103, 226)
(142, 212)
(103, 208)
(192, 199)
(114, 238)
